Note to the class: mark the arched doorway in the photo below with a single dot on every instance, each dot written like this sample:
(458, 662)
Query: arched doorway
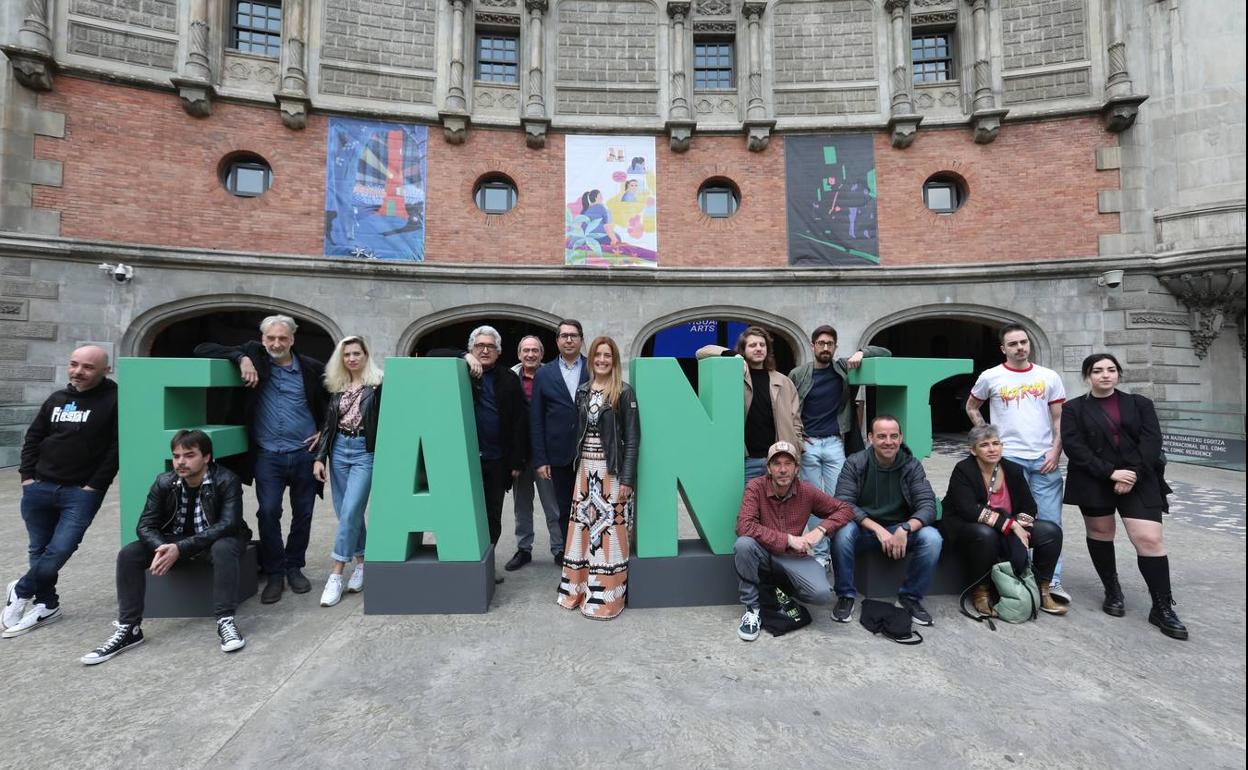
(455, 335)
(233, 327)
(682, 340)
(946, 338)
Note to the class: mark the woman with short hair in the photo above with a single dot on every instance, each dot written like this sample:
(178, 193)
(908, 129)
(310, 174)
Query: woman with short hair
(989, 512)
(1113, 443)
(345, 454)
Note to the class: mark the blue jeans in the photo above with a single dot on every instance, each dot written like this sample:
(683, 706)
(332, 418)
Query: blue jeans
(755, 467)
(522, 490)
(275, 471)
(922, 553)
(822, 459)
(351, 478)
(57, 517)
(1047, 489)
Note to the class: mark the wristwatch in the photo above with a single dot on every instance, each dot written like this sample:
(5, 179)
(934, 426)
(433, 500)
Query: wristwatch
(906, 526)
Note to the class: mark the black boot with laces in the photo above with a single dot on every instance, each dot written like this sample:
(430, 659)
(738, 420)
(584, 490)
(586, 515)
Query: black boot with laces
(1164, 617)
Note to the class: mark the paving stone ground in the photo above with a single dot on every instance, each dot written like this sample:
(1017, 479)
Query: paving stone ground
(531, 685)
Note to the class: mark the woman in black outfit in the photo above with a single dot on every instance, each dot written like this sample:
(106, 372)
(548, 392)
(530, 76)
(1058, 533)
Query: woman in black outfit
(989, 514)
(1113, 442)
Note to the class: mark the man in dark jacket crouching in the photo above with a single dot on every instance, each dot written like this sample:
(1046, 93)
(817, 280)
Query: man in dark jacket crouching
(193, 511)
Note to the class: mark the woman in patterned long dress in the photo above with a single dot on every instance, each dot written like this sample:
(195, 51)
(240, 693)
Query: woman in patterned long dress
(595, 559)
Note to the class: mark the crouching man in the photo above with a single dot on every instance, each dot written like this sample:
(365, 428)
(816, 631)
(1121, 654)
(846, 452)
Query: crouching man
(772, 537)
(192, 512)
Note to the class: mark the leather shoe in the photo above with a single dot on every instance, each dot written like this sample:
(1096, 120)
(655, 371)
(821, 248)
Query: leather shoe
(273, 589)
(298, 583)
(1164, 617)
(1114, 603)
(498, 579)
(559, 559)
(519, 560)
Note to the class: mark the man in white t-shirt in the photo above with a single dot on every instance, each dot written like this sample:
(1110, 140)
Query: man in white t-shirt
(1025, 402)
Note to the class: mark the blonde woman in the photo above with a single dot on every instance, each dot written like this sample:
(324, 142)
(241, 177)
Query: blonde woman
(595, 560)
(346, 455)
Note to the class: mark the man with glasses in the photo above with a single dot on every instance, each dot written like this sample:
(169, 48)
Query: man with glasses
(553, 418)
(827, 413)
(502, 423)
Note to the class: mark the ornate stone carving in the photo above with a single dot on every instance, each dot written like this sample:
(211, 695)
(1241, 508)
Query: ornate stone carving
(715, 28)
(680, 123)
(292, 99)
(758, 125)
(903, 124)
(1211, 296)
(455, 117)
(985, 116)
(497, 3)
(195, 83)
(930, 18)
(535, 121)
(1122, 104)
(33, 65)
(501, 19)
(713, 8)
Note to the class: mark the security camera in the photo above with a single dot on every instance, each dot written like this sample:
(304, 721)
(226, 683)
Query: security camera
(1110, 278)
(120, 273)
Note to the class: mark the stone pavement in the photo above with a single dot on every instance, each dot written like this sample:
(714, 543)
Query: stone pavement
(531, 685)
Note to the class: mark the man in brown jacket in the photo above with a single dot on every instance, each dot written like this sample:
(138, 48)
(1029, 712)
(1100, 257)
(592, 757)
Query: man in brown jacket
(767, 420)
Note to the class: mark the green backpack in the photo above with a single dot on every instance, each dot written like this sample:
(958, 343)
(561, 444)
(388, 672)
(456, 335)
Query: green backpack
(1020, 596)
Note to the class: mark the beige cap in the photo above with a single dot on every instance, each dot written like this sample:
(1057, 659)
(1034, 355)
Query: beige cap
(782, 447)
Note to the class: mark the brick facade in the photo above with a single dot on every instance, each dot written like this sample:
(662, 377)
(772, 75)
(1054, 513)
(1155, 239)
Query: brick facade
(1033, 192)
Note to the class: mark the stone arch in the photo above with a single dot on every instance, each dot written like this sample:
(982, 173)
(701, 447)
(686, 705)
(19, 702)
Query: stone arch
(138, 338)
(461, 313)
(1042, 351)
(791, 333)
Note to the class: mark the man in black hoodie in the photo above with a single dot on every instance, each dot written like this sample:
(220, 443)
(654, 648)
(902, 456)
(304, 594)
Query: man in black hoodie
(69, 458)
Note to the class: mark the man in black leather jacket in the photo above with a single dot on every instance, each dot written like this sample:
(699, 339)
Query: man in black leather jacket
(194, 511)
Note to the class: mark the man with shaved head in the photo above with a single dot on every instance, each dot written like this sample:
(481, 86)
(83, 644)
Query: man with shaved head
(68, 460)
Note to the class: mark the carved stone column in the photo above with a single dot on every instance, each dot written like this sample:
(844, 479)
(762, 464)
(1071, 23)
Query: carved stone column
(534, 119)
(195, 83)
(292, 100)
(1121, 104)
(33, 65)
(1212, 296)
(455, 116)
(985, 116)
(903, 124)
(757, 124)
(680, 122)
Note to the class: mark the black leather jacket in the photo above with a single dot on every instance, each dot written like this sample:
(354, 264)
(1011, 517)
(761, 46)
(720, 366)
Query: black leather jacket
(370, 407)
(221, 501)
(620, 429)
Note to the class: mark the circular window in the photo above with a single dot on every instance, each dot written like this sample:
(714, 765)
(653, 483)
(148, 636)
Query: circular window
(246, 175)
(944, 192)
(719, 198)
(495, 194)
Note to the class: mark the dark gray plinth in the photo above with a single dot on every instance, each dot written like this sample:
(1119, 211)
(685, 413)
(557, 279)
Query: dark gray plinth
(186, 590)
(877, 576)
(422, 585)
(695, 577)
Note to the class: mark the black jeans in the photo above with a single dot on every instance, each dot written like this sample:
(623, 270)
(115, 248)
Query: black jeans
(496, 480)
(563, 477)
(980, 546)
(225, 555)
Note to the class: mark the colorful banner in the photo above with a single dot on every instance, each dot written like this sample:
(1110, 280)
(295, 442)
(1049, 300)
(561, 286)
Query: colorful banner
(831, 195)
(611, 201)
(375, 190)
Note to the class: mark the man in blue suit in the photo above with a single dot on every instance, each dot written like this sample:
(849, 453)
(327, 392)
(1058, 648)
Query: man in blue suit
(553, 418)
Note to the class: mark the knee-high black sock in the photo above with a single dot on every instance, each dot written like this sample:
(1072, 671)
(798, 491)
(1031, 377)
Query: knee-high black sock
(1156, 572)
(1102, 553)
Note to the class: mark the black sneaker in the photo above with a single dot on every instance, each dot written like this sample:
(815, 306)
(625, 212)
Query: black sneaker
(227, 632)
(558, 559)
(273, 589)
(920, 615)
(125, 637)
(519, 560)
(844, 610)
(298, 583)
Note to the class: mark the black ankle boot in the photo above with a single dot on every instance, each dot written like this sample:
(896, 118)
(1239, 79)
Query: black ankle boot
(1163, 616)
(1114, 604)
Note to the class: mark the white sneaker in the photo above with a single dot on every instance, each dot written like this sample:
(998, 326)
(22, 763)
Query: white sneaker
(14, 608)
(1058, 592)
(750, 624)
(38, 617)
(333, 591)
(356, 583)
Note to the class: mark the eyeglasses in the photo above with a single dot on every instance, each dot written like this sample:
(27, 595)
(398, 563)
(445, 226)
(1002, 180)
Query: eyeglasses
(570, 336)
(484, 346)
(825, 344)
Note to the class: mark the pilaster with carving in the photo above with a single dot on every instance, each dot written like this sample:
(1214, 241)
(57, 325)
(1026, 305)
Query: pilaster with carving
(455, 116)
(1212, 296)
(534, 120)
(194, 84)
(758, 125)
(1122, 104)
(680, 120)
(985, 116)
(292, 99)
(903, 124)
(33, 65)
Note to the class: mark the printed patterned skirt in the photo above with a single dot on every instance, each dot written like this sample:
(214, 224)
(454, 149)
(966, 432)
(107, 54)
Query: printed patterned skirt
(595, 556)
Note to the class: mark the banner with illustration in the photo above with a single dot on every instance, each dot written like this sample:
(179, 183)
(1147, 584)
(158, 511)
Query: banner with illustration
(831, 196)
(610, 201)
(375, 190)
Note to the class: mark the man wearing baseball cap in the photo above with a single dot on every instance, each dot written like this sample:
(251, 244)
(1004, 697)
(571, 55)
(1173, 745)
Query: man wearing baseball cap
(772, 537)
